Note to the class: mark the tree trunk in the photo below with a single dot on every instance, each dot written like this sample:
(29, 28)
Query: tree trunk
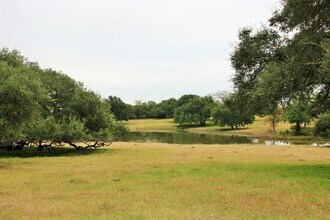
(298, 127)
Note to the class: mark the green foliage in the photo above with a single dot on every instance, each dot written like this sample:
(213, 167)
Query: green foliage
(185, 99)
(322, 100)
(44, 129)
(269, 87)
(60, 89)
(297, 113)
(45, 107)
(141, 110)
(253, 52)
(231, 112)
(195, 111)
(275, 117)
(88, 108)
(224, 117)
(118, 108)
(12, 58)
(71, 130)
(19, 103)
(322, 125)
(166, 108)
(303, 15)
(286, 62)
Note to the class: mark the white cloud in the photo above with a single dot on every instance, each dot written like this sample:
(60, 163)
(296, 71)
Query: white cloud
(139, 49)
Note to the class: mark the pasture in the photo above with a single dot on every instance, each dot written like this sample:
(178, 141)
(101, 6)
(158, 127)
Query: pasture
(167, 181)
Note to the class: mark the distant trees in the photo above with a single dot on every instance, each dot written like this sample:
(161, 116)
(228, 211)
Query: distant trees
(145, 110)
(141, 110)
(195, 110)
(297, 113)
(118, 108)
(46, 108)
(187, 110)
(184, 99)
(226, 109)
(167, 108)
(230, 112)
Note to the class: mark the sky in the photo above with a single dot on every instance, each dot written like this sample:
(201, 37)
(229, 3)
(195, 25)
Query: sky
(134, 49)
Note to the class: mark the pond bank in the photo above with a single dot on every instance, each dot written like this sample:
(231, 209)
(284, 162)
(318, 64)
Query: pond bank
(259, 130)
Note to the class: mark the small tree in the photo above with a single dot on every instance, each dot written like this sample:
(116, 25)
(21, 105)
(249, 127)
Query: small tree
(275, 117)
(225, 117)
(297, 113)
(196, 111)
(322, 126)
(233, 112)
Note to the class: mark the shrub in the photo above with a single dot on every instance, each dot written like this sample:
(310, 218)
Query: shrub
(322, 126)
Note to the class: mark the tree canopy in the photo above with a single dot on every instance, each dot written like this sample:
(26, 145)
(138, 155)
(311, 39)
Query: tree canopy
(231, 112)
(118, 108)
(196, 110)
(45, 108)
(287, 61)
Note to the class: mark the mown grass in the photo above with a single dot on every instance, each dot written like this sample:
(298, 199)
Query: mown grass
(152, 125)
(167, 181)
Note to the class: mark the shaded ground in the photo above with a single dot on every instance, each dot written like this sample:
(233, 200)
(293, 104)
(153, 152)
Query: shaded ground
(33, 152)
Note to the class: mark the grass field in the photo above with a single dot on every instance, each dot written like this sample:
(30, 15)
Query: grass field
(260, 128)
(152, 125)
(162, 181)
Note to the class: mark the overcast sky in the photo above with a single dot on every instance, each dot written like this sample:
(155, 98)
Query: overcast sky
(134, 49)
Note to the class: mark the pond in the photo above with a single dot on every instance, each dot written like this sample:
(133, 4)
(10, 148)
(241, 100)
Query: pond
(196, 138)
(182, 138)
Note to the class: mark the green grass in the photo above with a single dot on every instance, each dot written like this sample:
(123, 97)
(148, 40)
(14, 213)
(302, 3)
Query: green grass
(152, 125)
(259, 128)
(163, 181)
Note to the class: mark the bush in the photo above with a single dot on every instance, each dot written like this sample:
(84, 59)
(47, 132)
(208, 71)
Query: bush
(322, 126)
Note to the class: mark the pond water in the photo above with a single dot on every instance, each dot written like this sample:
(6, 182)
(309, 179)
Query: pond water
(182, 138)
(196, 138)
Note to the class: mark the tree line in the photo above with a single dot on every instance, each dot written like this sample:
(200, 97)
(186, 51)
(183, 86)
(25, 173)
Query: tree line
(222, 108)
(46, 108)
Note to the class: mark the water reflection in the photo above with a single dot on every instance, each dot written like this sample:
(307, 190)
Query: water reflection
(274, 142)
(195, 138)
(182, 138)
